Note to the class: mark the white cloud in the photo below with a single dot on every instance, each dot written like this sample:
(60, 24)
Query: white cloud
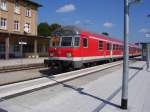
(108, 24)
(77, 22)
(143, 30)
(147, 34)
(66, 8)
(88, 22)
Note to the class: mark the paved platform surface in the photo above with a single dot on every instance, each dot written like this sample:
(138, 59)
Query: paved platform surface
(24, 86)
(100, 95)
(21, 61)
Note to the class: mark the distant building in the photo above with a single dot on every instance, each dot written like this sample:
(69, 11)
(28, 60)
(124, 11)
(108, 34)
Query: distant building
(18, 30)
(144, 46)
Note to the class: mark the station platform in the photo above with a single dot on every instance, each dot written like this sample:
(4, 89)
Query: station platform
(21, 61)
(100, 95)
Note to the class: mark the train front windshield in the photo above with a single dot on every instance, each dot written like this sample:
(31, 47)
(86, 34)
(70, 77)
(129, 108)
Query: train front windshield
(65, 41)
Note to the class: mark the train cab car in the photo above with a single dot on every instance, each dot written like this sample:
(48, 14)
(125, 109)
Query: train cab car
(65, 48)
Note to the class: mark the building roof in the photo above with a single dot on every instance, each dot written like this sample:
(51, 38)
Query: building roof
(7, 34)
(34, 3)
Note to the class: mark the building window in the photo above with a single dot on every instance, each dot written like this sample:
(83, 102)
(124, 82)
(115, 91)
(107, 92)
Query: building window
(16, 48)
(17, 7)
(28, 12)
(3, 23)
(16, 25)
(39, 49)
(2, 48)
(3, 5)
(100, 45)
(27, 28)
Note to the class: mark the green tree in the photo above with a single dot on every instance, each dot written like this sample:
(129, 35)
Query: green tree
(54, 26)
(105, 33)
(43, 29)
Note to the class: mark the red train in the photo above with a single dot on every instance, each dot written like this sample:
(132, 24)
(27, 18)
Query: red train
(72, 46)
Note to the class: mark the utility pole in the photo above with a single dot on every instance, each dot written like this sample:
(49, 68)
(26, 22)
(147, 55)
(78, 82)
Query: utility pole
(124, 100)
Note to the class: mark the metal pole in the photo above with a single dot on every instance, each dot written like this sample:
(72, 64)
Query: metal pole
(21, 49)
(148, 53)
(148, 50)
(124, 100)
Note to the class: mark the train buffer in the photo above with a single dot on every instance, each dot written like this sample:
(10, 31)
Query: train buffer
(100, 95)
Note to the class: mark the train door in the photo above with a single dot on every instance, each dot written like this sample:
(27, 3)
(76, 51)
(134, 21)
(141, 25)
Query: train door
(84, 51)
(105, 49)
(101, 49)
(108, 49)
(111, 50)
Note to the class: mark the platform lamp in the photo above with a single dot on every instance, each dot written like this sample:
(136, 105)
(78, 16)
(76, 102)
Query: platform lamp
(124, 99)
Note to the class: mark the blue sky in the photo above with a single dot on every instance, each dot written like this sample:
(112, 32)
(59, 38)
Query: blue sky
(98, 16)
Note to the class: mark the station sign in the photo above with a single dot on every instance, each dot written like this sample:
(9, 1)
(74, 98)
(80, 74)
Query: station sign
(22, 43)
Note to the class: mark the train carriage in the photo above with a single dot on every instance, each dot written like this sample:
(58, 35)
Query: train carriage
(72, 46)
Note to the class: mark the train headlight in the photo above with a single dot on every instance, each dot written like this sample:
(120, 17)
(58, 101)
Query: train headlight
(51, 54)
(69, 55)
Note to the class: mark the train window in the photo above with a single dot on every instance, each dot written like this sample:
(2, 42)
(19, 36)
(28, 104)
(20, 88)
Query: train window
(108, 46)
(100, 45)
(120, 47)
(114, 46)
(117, 47)
(54, 42)
(76, 41)
(85, 42)
(66, 41)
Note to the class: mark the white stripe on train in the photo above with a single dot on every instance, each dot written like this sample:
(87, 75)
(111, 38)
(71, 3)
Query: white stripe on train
(86, 58)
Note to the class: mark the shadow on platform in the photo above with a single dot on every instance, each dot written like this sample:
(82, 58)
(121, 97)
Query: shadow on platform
(137, 59)
(137, 68)
(50, 72)
(80, 91)
(2, 110)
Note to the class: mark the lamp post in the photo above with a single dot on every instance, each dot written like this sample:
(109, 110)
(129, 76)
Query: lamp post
(124, 99)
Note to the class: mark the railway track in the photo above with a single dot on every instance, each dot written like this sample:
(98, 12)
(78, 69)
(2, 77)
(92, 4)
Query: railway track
(20, 67)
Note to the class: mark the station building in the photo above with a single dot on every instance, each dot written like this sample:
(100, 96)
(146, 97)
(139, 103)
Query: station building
(18, 30)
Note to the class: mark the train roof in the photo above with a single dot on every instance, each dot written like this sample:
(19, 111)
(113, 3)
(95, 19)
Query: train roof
(68, 30)
(74, 30)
